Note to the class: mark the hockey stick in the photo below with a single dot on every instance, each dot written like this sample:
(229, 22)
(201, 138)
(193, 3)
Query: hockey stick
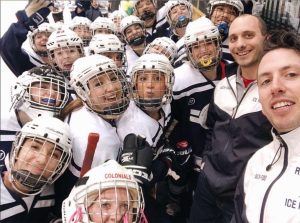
(93, 139)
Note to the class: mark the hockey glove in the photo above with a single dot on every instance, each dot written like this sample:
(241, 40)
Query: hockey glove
(137, 155)
(182, 163)
(35, 13)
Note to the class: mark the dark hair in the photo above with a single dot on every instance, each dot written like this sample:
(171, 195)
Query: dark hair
(261, 23)
(282, 39)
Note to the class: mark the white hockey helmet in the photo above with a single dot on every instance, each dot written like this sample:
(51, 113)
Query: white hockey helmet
(157, 63)
(129, 21)
(237, 4)
(103, 23)
(26, 92)
(43, 28)
(146, 14)
(136, 2)
(84, 23)
(203, 30)
(108, 43)
(182, 20)
(102, 43)
(162, 45)
(95, 67)
(117, 16)
(41, 130)
(88, 191)
(61, 38)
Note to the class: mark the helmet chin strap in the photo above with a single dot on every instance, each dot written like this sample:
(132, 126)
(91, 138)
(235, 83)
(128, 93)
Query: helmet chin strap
(137, 41)
(42, 53)
(150, 103)
(33, 182)
(147, 15)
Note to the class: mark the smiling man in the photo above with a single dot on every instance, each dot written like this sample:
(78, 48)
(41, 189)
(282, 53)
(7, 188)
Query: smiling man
(238, 126)
(276, 164)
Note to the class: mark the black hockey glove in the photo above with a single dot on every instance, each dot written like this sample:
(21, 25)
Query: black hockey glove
(182, 163)
(137, 155)
(34, 14)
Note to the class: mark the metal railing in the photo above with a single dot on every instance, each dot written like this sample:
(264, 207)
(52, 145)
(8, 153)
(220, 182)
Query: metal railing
(282, 14)
(278, 14)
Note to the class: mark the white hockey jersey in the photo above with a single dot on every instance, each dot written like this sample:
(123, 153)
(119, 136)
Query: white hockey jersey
(82, 122)
(135, 120)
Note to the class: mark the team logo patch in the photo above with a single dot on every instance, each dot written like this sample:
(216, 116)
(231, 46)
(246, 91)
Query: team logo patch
(191, 101)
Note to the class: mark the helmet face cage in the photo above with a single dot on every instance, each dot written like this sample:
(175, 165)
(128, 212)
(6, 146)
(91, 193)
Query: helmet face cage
(164, 46)
(181, 20)
(81, 26)
(40, 89)
(111, 94)
(118, 199)
(102, 86)
(84, 32)
(152, 81)
(210, 45)
(218, 8)
(40, 154)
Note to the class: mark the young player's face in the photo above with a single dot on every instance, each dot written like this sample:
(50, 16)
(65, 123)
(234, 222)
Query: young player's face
(223, 13)
(38, 157)
(134, 31)
(279, 88)
(246, 41)
(116, 57)
(178, 10)
(83, 32)
(105, 91)
(65, 57)
(146, 6)
(45, 93)
(204, 52)
(117, 22)
(102, 31)
(150, 84)
(112, 206)
(40, 40)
